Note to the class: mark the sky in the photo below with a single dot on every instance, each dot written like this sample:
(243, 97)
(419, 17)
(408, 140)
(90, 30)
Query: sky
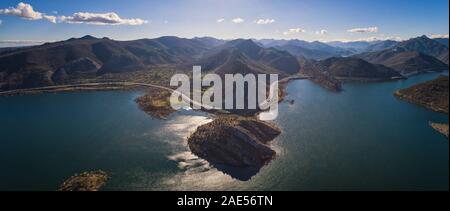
(322, 20)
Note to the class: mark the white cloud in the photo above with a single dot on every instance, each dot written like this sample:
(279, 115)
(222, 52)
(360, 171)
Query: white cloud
(50, 18)
(109, 18)
(364, 30)
(264, 21)
(394, 38)
(294, 31)
(18, 43)
(322, 32)
(238, 20)
(373, 38)
(26, 11)
(434, 36)
(220, 20)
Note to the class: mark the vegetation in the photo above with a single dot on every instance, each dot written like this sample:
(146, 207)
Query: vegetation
(235, 141)
(441, 128)
(432, 94)
(87, 181)
(156, 103)
(416, 55)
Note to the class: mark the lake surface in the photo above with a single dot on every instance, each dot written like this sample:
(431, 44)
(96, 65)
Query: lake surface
(360, 139)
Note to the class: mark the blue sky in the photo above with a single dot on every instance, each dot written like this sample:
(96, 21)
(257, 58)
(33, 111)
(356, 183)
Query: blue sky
(324, 20)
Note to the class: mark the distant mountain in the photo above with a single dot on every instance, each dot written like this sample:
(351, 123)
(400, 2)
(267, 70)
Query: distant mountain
(271, 42)
(443, 41)
(166, 50)
(90, 57)
(416, 55)
(43, 65)
(381, 46)
(355, 46)
(358, 69)
(234, 61)
(210, 41)
(406, 63)
(330, 73)
(307, 53)
(444, 58)
(7, 50)
(245, 56)
(425, 45)
(310, 50)
(316, 45)
(35, 66)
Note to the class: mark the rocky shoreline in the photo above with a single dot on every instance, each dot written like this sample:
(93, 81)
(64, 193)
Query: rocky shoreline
(235, 141)
(71, 88)
(432, 94)
(87, 181)
(328, 82)
(156, 103)
(441, 128)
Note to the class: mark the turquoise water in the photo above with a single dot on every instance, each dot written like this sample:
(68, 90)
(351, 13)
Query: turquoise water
(360, 139)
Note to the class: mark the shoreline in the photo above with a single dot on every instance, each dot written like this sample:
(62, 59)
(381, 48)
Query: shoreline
(409, 99)
(368, 80)
(432, 94)
(103, 86)
(157, 105)
(441, 128)
(86, 181)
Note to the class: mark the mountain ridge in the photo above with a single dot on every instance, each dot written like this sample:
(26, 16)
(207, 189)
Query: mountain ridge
(416, 55)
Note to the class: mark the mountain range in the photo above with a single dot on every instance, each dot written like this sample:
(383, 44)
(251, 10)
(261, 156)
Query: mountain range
(245, 56)
(350, 68)
(90, 58)
(416, 55)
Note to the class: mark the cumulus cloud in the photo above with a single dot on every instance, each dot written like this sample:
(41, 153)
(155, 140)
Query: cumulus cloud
(322, 32)
(434, 36)
(109, 18)
(220, 20)
(50, 18)
(364, 30)
(264, 21)
(26, 11)
(238, 20)
(293, 31)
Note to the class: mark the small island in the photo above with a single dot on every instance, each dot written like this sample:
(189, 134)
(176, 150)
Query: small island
(235, 141)
(87, 181)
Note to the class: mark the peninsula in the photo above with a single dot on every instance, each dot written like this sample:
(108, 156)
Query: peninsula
(432, 94)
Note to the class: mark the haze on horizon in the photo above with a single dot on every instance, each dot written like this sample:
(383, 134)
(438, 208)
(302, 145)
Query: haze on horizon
(324, 20)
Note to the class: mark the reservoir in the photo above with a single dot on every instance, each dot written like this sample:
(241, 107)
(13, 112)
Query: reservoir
(360, 139)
